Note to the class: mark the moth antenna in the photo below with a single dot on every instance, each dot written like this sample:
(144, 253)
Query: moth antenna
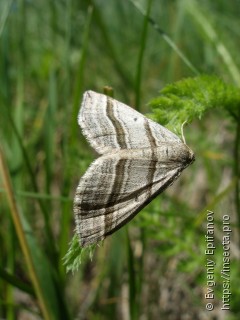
(183, 138)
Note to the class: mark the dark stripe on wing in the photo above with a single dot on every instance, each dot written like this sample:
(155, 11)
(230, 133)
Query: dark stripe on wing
(152, 165)
(120, 134)
(114, 195)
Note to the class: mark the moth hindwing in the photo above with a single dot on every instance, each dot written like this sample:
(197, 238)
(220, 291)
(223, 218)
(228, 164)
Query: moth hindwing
(139, 159)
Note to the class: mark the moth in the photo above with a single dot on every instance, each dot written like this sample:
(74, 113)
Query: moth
(139, 159)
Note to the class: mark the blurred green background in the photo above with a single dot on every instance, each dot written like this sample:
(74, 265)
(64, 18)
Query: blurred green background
(153, 268)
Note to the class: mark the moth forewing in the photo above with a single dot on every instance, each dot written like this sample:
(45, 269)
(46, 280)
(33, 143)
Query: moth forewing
(140, 159)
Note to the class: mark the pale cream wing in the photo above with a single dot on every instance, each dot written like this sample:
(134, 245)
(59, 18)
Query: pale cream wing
(109, 124)
(114, 190)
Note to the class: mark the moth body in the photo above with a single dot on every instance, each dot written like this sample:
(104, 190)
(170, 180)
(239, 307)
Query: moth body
(139, 159)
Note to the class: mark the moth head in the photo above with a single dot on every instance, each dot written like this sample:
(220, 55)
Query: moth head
(187, 155)
(179, 152)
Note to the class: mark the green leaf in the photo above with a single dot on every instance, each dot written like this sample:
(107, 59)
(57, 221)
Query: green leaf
(191, 98)
(73, 258)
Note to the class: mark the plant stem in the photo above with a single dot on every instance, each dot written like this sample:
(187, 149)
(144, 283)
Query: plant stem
(141, 56)
(21, 235)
